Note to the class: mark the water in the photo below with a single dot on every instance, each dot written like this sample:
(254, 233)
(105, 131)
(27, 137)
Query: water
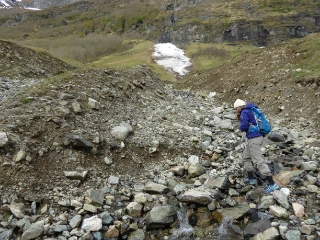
(228, 231)
(185, 231)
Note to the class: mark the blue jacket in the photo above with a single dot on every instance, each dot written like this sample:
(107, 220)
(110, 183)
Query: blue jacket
(248, 122)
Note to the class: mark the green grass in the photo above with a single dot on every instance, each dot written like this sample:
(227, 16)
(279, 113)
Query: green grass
(308, 49)
(208, 56)
(44, 86)
(80, 49)
(198, 52)
(140, 53)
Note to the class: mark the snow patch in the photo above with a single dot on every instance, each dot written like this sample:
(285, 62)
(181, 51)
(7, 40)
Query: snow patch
(171, 58)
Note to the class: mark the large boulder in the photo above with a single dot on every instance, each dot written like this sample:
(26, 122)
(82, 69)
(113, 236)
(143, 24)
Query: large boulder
(152, 187)
(198, 197)
(161, 217)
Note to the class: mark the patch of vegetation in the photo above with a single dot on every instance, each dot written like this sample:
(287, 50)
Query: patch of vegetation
(40, 89)
(140, 53)
(208, 56)
(25, 100)
(307, 53)
(80, 49)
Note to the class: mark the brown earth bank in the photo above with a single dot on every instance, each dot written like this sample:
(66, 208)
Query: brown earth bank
(20, 62)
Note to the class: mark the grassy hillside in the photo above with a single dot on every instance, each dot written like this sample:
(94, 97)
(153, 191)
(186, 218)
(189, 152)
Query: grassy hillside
(147, 19)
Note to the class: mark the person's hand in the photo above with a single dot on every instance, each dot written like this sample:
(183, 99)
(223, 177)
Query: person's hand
(243, 137)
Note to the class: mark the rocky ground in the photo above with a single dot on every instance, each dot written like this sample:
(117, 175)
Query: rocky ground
(110, 154)
(269, 77)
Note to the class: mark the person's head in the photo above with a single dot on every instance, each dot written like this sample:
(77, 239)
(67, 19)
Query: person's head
(239, 104)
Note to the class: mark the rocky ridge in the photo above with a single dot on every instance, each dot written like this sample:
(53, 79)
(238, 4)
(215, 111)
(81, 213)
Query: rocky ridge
(111, 154)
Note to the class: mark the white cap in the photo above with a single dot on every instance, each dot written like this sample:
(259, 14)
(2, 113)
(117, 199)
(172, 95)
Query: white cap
(239, 103)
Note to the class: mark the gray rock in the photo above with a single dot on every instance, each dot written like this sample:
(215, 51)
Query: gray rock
(152, 187)
(306, 229)
(65, 202)
(179, 188)
(6, 235)
(233, 192)
(137, 235)
(33, 207)
(140, 198)
(219, 182)
(231, 213)
(92, 224)
(76, 232)
(223, 124)
(34, 231)
(195, 170)
(309, 152)
(266, 202)
(90, 208)
(76, 204)
(269, 234)
(108, 161)
(113, 180)
(281, 199)
(178, 170)
(279, 211)
(20, 156)
(193, 159)
(161, 217)
(305, 133)
(283, 230)
(253, 229)
(196, 196)
(212, 206)
(60, 228)
(122, 131)
(75, 221)
(231, 202)
(309, 166)
(95, 197)
(77, 142)
(3, 139)
(92, 103)
(106, 218)
(310, 221)
(293, 235)
(276, 137)
(66, 96)
(76, 107)
(17, 209)
(134, 209)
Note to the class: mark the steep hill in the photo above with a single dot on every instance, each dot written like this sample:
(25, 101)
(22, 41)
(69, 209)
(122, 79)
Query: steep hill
(21, 62)
(284, 79)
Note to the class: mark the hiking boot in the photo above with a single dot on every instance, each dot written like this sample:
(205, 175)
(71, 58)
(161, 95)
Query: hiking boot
(270, 188)
(250, 181)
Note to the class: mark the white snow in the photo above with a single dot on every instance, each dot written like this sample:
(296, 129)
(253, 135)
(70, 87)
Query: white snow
(171, 58)
(34, 9)
(4, 3)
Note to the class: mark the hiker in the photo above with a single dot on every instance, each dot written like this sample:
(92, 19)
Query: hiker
(252, 154)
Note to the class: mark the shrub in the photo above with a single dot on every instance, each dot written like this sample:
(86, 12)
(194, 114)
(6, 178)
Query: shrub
(211, 52)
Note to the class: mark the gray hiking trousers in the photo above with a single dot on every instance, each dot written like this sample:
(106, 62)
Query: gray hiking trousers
(252, 157)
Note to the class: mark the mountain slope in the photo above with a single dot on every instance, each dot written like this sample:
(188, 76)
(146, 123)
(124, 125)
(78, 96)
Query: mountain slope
(17, 61)
(283, 79)
(259, 22)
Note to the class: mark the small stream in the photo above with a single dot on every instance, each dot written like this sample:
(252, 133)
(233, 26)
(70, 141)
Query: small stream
(226, 231)
(185, 230)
